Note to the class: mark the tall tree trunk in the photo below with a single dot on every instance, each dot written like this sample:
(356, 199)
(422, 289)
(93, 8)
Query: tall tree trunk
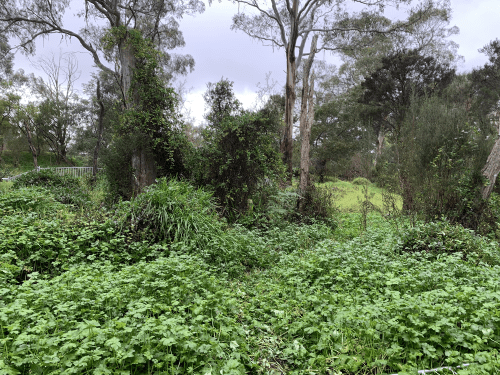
(287, 145)
(306, 117)
(31, 143)
(291, 73)
(2, 146)
(100, 127)
(143, 163)
(380, 145)
(491, 169)
(144, 169)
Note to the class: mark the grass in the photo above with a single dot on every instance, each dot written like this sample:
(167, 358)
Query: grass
(348, 197)
(5, 186)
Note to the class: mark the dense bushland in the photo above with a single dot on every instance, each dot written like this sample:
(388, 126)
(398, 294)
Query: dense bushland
(162, 285)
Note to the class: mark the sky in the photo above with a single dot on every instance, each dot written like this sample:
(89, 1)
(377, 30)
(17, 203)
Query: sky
(220, 52)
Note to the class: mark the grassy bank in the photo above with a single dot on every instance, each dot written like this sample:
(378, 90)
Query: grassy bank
(348, 196)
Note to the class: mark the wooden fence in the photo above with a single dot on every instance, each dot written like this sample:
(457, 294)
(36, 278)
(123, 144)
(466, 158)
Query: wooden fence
(63, 171)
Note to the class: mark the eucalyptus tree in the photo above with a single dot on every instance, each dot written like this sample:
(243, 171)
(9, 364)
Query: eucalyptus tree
(6, 58)
(156, 20)
(486, 82)
(288, 24)
(58, 110)
(390, 90)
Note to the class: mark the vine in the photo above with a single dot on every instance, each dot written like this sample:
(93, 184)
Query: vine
(151, 116)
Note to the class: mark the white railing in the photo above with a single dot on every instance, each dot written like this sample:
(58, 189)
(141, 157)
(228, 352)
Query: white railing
(63, 171)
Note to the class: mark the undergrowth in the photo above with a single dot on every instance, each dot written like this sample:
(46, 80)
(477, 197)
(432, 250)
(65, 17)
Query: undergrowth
(161, 285)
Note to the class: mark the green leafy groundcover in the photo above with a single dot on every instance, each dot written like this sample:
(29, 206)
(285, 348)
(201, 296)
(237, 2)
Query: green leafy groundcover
(364, 305)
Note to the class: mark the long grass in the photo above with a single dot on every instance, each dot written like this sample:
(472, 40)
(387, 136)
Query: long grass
(348, 197)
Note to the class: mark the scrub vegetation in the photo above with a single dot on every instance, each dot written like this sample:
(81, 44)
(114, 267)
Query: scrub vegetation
(161, 284)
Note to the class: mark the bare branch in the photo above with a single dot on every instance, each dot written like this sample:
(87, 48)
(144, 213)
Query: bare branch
(280, 23)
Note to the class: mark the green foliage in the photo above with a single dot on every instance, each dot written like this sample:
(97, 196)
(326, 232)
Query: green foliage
(18, 161)
(50, 243)
(65, 188)
(441, 237)
(317, 204)
(442, 157)
(94, 297)
(168, 316)
(176, 213)
(5, 186)
(337, 135)
(32, 199)
(361, 181)
(402, 76)
(118, 166)
(173, 211)
(240, 150)
(151, 121)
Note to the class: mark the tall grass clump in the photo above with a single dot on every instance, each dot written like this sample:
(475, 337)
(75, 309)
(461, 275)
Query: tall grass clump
(185, 219)
(172, 211)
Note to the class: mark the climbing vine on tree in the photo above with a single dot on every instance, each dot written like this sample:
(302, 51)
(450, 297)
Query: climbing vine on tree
(151, 121)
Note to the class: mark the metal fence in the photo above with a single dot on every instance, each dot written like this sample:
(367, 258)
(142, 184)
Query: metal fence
(63, 171)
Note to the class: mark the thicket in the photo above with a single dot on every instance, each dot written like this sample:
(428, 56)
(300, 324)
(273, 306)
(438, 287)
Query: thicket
(151, 122)
(239, 157)
(443, 151)
(65, 188)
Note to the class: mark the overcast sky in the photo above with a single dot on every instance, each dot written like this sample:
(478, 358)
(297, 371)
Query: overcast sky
(220, 52)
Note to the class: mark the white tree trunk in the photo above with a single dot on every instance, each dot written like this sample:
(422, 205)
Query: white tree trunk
(380, 145)
(287, 145)
(306, 117)
(491, 169)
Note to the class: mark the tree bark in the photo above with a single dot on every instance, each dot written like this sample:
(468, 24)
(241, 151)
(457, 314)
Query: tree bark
(306, 118)
(144, 170)
(380, 145)
(491, 169)
(100, 127)
(143, 163)
(287, 145)
(291, 73)
(29, 137)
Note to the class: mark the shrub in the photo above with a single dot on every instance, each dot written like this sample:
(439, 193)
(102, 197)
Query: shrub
(239, 151)
(173, 211)
(361, 181)
(34, 199)
(65, 189)
(442, 237)
(317, 204)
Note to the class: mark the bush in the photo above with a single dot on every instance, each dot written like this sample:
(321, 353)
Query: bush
(34, 199)
(172, 211)
(167, 316)
(239, 151)
(65, 189)
(317, 204)
(361, 181)
(442, 237)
